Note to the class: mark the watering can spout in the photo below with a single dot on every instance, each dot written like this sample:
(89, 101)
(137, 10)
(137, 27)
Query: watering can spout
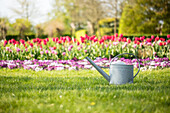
(99, 69)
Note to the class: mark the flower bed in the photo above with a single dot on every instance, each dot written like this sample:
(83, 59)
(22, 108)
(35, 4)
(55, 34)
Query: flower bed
(49, 65)
(66, 48)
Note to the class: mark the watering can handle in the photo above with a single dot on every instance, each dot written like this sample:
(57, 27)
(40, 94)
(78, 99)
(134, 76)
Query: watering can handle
(128, 54)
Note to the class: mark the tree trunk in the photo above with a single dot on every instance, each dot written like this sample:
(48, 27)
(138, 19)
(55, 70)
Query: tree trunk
(115, 24)
(73, 29)
(93, 28)
(98, 29)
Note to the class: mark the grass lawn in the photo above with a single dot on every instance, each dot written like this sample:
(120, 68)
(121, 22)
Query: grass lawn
(84, 91)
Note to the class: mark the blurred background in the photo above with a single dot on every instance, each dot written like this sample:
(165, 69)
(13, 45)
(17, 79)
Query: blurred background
(22, 19)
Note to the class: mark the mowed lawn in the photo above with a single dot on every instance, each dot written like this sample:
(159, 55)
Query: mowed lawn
(83, 91)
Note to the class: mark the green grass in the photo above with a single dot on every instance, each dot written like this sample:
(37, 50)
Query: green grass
(84, 91)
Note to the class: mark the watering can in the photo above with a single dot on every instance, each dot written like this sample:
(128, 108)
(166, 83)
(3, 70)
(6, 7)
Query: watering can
(120, 73)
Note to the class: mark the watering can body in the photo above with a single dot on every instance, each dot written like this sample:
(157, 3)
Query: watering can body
(120, 73)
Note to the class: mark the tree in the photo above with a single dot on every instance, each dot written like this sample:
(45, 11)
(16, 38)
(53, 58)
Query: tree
(114, 9)
(4, 24)
(69, 11)
(53, 27)
(145, 16)
(39, 30)
(93, 12)
(26, 9)
(80, 13)
(22, 26)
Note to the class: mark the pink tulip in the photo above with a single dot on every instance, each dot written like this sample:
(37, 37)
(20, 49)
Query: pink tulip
(64, 53)
(46, 51)
(134, 46)
(7, 48)
(41, 52)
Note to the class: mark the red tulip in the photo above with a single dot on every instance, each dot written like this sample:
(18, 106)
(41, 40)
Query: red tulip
(5, 42)
(116, 35)
(95, 40)
(160, 43)
(157, 38)
(148, 39)
(121, 35)
(22, 41)
(10, 41)
(162, 39)
(17, 43)
(34, 40)
(124, 39)
(168, 36)
(31, 44)
(86, 37)
(152, 37)
(59, 42)
(128, 40)
(112, 38)
(54, 48)
(164, 43)
(142, 38)
(138, 43)
(168, 41)
(119, 39)
(47, 39)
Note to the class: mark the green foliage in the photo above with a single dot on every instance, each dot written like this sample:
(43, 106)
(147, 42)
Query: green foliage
(4, 26)
(22, 26)
(107, 26)
(144, 17)
(83, 91)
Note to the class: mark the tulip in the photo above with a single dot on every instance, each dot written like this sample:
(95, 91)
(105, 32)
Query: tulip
(168, 41)
(41, 52)
(55, 52)
(121, 35)
(152, 37)
(160, 43)
(7, 48)
(46, 51)
(64, 53)
(148, 39)
(128, 40)
(116, 35)
(134, 46)
(69, 49)
(157, 38)
(31, 44)
(54, 48)
(162, 39)
(18, 49)
(78, 48)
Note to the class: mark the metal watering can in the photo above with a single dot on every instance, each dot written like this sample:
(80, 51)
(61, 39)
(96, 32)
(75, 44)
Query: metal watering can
(120, 73)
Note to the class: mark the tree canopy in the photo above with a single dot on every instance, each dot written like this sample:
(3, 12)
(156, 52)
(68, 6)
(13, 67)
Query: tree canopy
(145, 16)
